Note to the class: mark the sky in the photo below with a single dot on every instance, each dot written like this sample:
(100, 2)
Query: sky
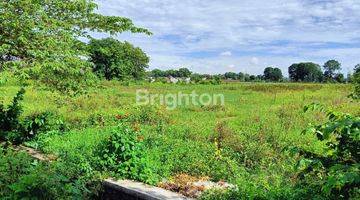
(217, 36)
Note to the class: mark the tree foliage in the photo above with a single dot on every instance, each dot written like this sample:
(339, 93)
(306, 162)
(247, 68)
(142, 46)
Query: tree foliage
(273, 74)
(40, 39)
(305, 72)
(356, 81)
(181, 72)
(117, 60)
(231, 75)
(330, 68)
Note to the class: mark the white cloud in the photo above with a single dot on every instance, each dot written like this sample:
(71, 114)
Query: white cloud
(252, 32)
(226, 53)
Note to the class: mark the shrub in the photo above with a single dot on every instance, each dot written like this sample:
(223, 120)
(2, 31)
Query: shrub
(25, 178)
(14, 130)
(356, 80)
(123, 154)
(336, 171)
(9, 118)
(42, 122)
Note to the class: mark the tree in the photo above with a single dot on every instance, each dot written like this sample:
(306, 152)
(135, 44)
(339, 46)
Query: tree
(172, 72)
(241, 76)
(230, 75)
(357, 68)
(339, 77)
(196, 77)
(330, 68)
(117, 60)
(305, 72)
(40, 39)
(184, 72)
(156, 73)
(252, 77)
(356, 81)
(272, 74)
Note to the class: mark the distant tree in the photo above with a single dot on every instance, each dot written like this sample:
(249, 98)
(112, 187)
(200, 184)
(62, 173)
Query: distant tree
(259, 77)
(172, 72)
(207, 76)
(357, 68)
(330, 67)
(241, 76)
(349, 78)
(246, 77)
(184, 72)
(216, 79)
(272, 74)
(339, 77)
(156, 73)
(230, 75)
(117, 60)
(252, 78)
(356, 81)
(196, 77)
(305, 72)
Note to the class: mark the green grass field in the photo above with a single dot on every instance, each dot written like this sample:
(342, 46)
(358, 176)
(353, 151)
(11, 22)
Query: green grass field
(241, 142)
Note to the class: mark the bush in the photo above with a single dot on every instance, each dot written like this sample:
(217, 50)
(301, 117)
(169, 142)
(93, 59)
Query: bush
(25, 178)
(14, 130)
(124, 156)
(9, 119)
(356, 80)
(335, 172)
(150, 115)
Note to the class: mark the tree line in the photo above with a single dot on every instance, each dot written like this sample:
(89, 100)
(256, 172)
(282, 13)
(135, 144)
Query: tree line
(40, 40)
(298, 72)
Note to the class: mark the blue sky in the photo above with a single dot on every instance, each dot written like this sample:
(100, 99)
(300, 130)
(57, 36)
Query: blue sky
(215, 36)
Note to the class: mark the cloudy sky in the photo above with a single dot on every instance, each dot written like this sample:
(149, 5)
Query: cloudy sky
(215, 36)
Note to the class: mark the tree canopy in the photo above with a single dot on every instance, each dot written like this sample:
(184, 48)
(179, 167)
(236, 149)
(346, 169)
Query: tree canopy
(40, 39)
(231, 75)
(181, 72)
(273, 74)
(305, 72)
(330, 68)
(117, 60)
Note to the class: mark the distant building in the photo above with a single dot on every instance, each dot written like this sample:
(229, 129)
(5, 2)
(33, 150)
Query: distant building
(172, 79)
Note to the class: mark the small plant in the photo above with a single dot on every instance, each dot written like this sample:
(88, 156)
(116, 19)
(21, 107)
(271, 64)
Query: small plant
(123, 153)
(336, 171)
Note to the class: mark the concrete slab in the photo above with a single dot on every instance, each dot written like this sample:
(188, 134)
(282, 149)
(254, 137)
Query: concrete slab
(131, 190)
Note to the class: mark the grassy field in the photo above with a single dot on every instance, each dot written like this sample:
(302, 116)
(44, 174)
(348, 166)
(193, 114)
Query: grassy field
(241, 142)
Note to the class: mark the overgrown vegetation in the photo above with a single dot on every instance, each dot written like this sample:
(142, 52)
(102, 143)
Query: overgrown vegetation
(16, 130)
(123, 153)
(335, 172)
(22, 177)
(254, 141)
(241, 142)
